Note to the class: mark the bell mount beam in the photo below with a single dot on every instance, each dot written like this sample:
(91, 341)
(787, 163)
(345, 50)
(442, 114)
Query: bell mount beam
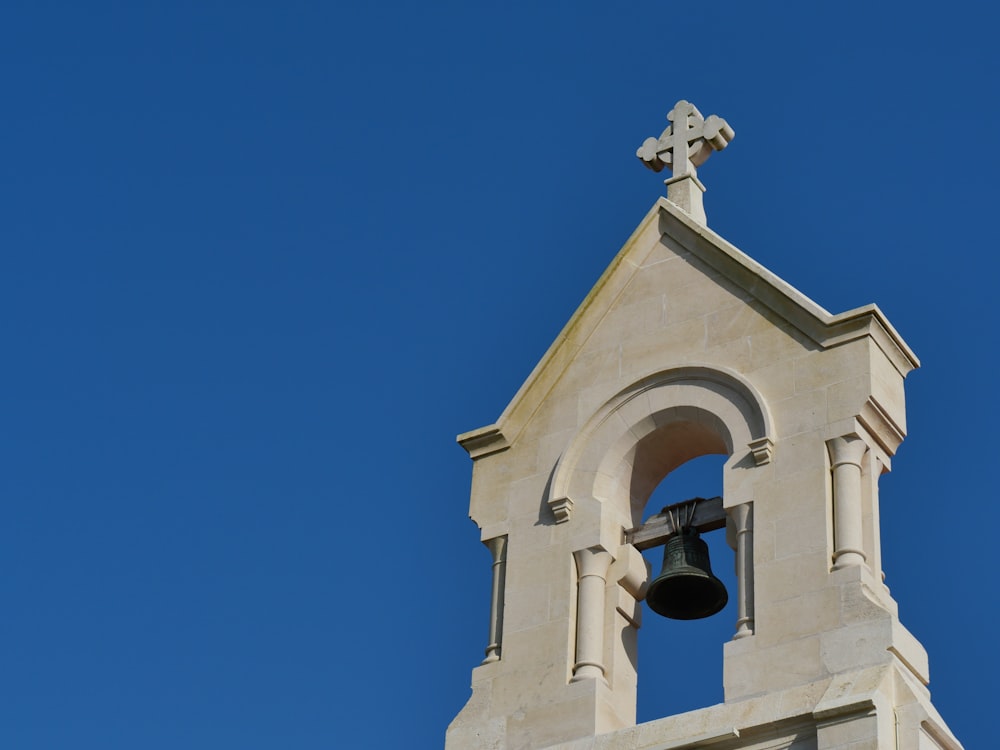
(708, 515)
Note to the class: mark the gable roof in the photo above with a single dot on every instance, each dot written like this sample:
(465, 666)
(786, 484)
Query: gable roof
(664, 219)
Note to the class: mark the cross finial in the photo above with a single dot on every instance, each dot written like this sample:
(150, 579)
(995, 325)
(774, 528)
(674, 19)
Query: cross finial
(684, 146)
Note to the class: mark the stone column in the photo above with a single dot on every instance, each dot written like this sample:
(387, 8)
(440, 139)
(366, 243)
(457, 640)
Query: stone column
(846, 454)
(498, 549)
(592, 568)
(743, 518)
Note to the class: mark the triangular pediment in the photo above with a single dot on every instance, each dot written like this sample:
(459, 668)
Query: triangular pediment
(711, 278)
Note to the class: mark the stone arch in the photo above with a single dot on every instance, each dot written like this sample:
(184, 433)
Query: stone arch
(606, 475)
(648, 429)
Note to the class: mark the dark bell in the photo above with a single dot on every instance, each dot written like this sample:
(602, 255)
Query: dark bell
(686, 589)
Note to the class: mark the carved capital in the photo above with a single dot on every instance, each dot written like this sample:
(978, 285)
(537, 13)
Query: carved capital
(593, 561)
(848, 449)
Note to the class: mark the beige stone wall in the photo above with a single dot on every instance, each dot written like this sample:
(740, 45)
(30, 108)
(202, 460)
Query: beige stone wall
(685, 347)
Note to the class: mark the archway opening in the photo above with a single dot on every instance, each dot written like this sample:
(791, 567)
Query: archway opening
(680, 662)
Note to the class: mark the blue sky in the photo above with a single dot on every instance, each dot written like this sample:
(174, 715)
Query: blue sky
(261, 262)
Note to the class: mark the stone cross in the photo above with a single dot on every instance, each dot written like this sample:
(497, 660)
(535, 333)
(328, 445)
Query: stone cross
(684, 146)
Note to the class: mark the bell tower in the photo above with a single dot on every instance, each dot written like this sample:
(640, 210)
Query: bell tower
(687, 347)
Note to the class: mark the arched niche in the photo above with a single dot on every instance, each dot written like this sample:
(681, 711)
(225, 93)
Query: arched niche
(646, 430)
(606, 476)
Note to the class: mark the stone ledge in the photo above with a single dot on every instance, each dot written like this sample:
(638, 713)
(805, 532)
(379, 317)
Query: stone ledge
(793, 713)
(484, 441)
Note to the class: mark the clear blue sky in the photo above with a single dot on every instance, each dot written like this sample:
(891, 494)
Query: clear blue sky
(262, 261)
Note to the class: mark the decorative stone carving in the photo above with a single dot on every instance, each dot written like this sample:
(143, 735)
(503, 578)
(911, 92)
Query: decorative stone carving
(561, 508)
(761, 449)
(684, 146)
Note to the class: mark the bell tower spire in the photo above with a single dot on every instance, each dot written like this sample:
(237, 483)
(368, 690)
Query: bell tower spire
(686, 347)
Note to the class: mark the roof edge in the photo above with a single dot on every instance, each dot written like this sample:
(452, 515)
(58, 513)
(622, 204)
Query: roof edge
(815, 322)
(884, 333)
(562, 349)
